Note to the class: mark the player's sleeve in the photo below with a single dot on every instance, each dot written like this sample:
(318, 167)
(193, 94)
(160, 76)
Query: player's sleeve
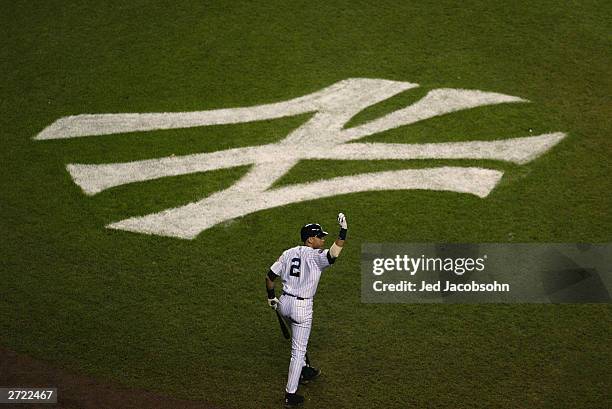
(322, 259)
(277, 267)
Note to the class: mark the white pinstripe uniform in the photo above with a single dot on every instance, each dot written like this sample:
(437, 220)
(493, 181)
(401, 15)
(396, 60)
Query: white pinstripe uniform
(300, 269)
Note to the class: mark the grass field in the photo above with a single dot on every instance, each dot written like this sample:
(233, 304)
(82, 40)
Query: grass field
(189, 318)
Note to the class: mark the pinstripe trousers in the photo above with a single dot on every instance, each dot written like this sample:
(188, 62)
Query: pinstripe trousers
(298, 313)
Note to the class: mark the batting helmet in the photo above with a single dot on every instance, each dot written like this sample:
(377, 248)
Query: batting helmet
(311, 230)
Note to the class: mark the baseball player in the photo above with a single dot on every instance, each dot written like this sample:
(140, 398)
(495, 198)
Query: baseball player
(300, 269)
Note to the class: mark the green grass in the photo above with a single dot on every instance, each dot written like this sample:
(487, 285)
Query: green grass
(189, 318)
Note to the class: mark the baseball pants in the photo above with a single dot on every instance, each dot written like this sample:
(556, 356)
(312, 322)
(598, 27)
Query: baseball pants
(298, 313)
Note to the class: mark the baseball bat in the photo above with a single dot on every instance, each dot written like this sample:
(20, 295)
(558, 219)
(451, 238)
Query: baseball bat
(283, 326)
(286, 334)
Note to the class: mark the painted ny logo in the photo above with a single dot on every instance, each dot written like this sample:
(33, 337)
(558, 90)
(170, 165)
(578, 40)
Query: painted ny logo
(321, 137)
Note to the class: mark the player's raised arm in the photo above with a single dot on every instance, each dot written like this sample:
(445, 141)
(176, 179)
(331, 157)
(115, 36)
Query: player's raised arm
(336, 248)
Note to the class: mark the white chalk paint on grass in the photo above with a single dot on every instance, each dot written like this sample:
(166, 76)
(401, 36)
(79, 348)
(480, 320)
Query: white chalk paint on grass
(346, 92)
(187, 222)
(96, 178)
(324, 136)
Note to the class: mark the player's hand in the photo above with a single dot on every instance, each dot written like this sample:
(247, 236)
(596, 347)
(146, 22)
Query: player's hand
(342, 221)
(273, 303)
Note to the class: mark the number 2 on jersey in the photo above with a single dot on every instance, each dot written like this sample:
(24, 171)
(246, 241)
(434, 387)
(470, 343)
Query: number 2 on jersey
(295, 267)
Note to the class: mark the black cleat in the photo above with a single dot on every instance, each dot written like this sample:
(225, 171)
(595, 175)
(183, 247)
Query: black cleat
(308, 374)
(293, 399)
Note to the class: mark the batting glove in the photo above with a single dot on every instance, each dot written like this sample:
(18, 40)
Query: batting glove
(273, 303)
(342, 221)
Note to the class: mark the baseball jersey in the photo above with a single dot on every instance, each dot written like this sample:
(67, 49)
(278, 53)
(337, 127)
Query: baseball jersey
(300, 269)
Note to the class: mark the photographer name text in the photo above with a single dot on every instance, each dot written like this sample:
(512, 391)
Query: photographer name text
(445, 286)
